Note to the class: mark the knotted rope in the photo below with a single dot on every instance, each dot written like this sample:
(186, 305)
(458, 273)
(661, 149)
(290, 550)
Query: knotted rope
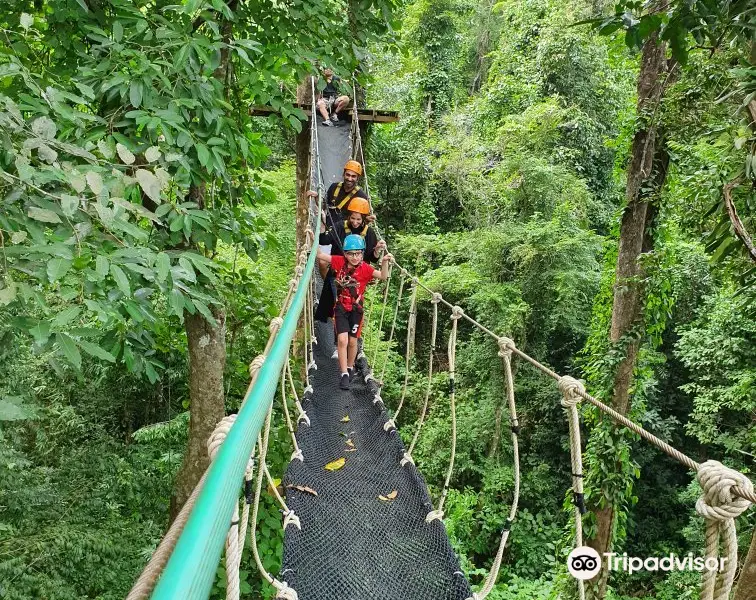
(457, 313)
(393, 324)
(571, 389)
(435, 299)
(412, 321)
(718, 507)
(383, 312)
(506, 346)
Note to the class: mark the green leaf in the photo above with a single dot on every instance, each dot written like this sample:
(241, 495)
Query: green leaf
(68, 347)
(65, 316)
(187, 266)
(45, 128)
(125, 154)
(69, 204)
(121, 280)
(94, 179)
(117, 31)
(11, 409)
(44, 215)
(149, 183)
(96, 351)
(205, 312)
(40, 332)
(8, 293)
(152, 154)
(177, 303)
(203, 154)
(57, 268)
(135, 94)
(163, 264)
(102, 267)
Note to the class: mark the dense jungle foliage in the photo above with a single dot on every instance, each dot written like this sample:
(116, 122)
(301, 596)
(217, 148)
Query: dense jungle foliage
(137, 194)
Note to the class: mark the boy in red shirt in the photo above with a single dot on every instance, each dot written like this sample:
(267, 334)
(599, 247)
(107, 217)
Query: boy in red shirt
(352, 276)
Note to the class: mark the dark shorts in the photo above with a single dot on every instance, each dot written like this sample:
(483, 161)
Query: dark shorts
(348, 321)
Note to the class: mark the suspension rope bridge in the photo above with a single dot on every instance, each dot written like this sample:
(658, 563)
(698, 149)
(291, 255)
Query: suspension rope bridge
(358, 521)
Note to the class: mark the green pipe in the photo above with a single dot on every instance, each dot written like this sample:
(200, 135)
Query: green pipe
(191, 569)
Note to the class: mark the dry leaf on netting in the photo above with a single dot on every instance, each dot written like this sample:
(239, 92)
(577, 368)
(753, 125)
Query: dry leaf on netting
(345, 419)
(349, 443)
(351, 450)
(335, 465)
(302, 488)
(388, 497)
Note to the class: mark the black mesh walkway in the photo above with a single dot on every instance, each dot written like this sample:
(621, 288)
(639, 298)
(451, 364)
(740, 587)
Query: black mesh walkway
(352, 545)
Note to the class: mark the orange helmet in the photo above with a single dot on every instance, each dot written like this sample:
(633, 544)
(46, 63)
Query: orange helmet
(353, 165)
(359, 205)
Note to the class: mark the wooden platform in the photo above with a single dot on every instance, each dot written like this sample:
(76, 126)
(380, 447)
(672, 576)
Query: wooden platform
(363, 114)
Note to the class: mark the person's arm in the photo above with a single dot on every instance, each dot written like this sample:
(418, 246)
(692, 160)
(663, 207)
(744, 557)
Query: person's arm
(383, 273)
(323, 258)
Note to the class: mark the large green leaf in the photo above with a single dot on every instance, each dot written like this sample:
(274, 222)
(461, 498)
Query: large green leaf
(122, 281)
(57, 268)
(68, 348)
(96, 351)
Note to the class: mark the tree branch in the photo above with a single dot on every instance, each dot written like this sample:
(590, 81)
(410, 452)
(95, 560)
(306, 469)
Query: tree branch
(737, 224)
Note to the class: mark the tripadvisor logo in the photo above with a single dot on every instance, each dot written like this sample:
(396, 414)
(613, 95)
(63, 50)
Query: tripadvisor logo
(585, 563)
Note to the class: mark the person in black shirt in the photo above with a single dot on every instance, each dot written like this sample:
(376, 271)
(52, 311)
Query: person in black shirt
(339, 194)
(331, 100)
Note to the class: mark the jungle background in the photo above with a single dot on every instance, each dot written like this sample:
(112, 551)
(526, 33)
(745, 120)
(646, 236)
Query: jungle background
(142, 208)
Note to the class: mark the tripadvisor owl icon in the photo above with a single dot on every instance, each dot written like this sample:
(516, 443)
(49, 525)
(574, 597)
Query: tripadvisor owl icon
(583, 563)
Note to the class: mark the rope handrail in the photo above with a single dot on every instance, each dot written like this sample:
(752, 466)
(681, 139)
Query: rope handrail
(738, 490)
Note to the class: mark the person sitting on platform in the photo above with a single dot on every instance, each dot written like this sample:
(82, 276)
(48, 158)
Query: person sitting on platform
(340, 193)
(352, 276)
(331, 99)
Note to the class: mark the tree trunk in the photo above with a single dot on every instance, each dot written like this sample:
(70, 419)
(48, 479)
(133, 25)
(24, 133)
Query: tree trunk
(207, 359)
(628, 293)
(746, 589)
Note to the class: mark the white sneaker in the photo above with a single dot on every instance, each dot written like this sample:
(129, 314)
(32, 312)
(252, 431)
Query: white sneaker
(335, 118)
(327, 123)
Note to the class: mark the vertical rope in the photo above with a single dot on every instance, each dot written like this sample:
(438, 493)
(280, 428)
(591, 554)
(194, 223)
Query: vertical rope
(506, 347)
(452, 353)
(571, 389)
(393, 324)
(289, 426)
(377, 336)
(412, 322)
(435, 299)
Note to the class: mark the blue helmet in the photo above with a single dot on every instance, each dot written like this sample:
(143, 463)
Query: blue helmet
(354, 242)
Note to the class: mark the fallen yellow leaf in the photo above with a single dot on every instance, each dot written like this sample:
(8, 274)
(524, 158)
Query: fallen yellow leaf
(351, 450)
(335, 465)
(345, 419)
(388, 497)
(349, 443)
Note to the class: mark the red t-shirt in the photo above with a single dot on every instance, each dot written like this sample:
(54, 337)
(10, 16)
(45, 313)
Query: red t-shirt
(363, 274)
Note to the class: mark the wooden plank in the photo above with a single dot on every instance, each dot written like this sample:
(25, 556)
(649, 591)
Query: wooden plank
(363, 114)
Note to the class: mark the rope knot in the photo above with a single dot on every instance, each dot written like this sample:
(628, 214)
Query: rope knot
(218, 436)
(717, 502)
(457, 312)
(309, 235)
(415, 281)
(283, 591)
(571, 389)
(298, 271)
(506, 345)
(292, 283)
(436, 298)
(403, 271)
(275, 323)
(256, 365)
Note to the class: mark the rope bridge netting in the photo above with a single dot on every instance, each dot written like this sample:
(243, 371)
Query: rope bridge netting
(358, 520)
